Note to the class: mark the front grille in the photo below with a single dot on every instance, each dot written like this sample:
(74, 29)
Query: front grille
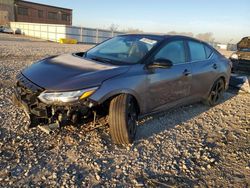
(27, 85)
(27, 92)
(244, 62)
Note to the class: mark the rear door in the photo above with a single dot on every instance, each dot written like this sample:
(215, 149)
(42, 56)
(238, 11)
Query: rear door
(204, 68)
(168, 85)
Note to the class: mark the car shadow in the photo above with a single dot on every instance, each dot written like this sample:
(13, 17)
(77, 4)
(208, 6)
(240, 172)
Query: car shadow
(166, 120)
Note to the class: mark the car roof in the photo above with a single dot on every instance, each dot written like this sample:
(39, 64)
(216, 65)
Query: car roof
(162, 36)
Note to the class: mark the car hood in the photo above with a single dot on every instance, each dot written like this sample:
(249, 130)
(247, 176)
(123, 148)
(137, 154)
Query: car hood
(70, 72)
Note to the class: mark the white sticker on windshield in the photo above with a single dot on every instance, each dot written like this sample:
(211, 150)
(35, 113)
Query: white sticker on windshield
(148, 41)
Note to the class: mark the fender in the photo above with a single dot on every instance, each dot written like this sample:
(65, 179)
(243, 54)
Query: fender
(218, 77)
(102, 99)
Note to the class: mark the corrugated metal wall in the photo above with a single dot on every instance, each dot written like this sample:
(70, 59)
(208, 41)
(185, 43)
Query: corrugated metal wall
(54, 32)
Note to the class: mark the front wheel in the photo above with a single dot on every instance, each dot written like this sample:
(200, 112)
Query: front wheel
(122, 119)
(216, 93)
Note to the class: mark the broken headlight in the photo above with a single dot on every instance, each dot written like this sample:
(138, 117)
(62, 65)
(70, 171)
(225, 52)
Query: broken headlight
(66, 97)
(234, 56)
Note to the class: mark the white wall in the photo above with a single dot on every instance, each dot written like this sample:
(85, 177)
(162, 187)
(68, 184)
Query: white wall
(222, 46)
(53, 32)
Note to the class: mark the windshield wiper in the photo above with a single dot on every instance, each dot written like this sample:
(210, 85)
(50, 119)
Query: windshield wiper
(104, 60)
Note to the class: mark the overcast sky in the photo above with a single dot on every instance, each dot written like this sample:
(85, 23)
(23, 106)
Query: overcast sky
(227, 19)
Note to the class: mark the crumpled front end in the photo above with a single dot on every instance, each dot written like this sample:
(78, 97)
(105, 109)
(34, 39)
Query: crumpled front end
(26, 96)
(242, 63)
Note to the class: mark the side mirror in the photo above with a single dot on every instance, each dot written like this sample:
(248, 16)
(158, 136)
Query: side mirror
(81, 54)
(161, 63)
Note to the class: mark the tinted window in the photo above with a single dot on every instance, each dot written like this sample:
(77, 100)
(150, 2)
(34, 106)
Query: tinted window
(40, 13)
(65, 17)
(197, 51)
(52, 15)
(173, 51)
(208, 51)
(23, 11)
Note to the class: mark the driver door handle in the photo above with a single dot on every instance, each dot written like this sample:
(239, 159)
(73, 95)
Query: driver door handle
(215, 66)
(186, 72)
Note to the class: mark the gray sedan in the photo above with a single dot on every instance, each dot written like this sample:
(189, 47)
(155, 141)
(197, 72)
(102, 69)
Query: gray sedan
(123, 78)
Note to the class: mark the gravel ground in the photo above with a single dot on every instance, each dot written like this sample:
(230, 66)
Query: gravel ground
(185, 147)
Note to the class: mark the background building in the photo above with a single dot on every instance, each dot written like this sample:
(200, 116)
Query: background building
(24, 11)
(39, 13)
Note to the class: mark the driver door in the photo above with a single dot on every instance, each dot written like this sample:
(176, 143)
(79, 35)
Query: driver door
(169, 85)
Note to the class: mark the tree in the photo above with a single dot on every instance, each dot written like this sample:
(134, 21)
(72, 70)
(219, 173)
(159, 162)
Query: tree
(190, 34)
(113, 27)
(132, 30)
(208, 37)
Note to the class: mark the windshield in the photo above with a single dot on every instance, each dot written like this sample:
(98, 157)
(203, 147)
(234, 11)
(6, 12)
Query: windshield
(128, 49)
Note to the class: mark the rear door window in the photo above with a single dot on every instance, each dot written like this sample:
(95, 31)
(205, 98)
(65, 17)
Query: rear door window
(197, 51)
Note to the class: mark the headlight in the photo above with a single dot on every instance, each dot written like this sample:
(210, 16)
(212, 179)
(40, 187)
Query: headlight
(65, 97)
(234, 56)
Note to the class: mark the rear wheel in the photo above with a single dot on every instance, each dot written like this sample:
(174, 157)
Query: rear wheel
(216, 93)
(122, 119)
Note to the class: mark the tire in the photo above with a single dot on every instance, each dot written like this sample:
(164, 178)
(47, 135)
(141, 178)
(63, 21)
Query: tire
(216, 93)
(122, 119)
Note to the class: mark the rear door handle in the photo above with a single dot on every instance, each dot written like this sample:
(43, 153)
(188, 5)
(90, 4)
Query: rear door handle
(186, 72)
(215, 66)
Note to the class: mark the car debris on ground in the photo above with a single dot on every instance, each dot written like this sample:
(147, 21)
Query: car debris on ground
(240, 82)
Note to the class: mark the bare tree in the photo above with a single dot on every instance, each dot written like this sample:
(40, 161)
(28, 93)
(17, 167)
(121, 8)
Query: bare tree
(190, 34)
(208, 37)
(132, 30)
(113, 27)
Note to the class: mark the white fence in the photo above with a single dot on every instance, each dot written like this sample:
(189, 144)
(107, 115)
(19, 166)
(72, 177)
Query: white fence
(54, 32)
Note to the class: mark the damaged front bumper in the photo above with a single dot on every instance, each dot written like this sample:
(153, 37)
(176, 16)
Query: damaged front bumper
(26, 96)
